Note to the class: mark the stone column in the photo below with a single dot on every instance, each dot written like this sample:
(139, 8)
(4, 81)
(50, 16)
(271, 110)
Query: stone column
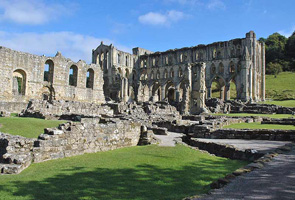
(163, 93)
(250, 82)
(263, 72)
(222, 92)
(177, 93)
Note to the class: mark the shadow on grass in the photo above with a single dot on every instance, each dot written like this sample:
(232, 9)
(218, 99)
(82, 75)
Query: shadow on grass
(143, 182)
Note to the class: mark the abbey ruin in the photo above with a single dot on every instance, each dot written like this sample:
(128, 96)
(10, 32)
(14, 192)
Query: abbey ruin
(183, 77)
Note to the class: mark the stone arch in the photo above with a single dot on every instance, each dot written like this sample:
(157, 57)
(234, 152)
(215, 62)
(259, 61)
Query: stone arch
(48, 93)
(180, 72)
(213, 69)
(127, 73)
(165, 75)
(170, 92)
(73, 75)
(19, 82)
(158, 76)
(232, 68)
(232, 91)
(221, 68)
(217, 86)
(48, 71)
(152, 75)
(90, 78)
(171, 73)
(156, 91)
(143, 76)
(120, 71)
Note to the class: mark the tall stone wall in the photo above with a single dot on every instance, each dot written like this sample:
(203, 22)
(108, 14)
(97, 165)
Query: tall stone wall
(26, 76)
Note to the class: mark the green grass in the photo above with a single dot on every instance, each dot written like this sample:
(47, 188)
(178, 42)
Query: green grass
(252, 114)
(142, 172)
(26, 127)
(286, 103)
(258, 125)
(281, 87)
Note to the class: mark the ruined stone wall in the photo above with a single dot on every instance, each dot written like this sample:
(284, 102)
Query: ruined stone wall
(65, 109)
(69, 139)
(240, 61)
(23, 78)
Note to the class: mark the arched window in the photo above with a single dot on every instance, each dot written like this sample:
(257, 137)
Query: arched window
(73, 75)
(126, 60)
(165, 73)
(166, 60)
(221, 68)
(19, 82)
(213, 69)
(171, 73)
(119, 58)
(181, 58)
(232, 68)
(48, 71)
(180, 72)
(90, 78)
(158, 75)
(152, 75)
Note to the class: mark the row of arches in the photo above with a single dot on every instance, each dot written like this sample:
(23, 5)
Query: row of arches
(157, 75)
(73, 75)
(231, 69)
(221, 89)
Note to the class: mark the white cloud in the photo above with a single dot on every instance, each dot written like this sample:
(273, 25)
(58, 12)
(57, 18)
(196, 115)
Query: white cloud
(216, 5)
(287, 33)
(32, 12)
(154, 18)
(71, 45)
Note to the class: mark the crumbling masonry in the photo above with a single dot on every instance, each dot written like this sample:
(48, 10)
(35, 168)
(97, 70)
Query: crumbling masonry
(183, 77)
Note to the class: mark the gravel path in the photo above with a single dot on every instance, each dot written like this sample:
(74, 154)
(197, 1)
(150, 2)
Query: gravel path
(276, 180)
(169, 139)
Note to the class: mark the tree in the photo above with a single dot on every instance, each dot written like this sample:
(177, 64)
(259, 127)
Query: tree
(275, 48)
(290, 51)
(274, 68)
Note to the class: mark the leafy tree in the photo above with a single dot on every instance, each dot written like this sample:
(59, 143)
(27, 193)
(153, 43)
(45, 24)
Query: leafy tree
(275, 48)
(290, 51)
(274, 68)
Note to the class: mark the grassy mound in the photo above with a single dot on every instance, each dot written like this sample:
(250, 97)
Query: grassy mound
(281, 87)
(146, 172)
(26, 127)
(258, 125)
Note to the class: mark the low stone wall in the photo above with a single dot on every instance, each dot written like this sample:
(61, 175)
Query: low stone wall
(251, 134)
(226, 151)
(70, 139)
(12, 107)
(285, 121)
(64, 109)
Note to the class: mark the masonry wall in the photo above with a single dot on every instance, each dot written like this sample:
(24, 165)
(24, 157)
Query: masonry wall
(23, 78)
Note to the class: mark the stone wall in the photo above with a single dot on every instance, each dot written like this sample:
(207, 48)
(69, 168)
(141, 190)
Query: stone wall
(26, 76)
(70, 139)
(13, 107)
(65, 109)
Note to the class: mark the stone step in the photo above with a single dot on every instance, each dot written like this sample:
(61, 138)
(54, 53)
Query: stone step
(20, 159)
(11, 168)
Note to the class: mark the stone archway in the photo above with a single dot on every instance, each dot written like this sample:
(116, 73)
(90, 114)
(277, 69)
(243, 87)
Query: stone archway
(217, 88)
(19, 82)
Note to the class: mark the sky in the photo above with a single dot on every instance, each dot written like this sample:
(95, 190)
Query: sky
(74, 28)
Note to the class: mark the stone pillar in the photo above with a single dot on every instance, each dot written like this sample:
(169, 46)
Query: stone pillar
(263, 72)
(222, 92)
(250, 82)
(163, 93)
(254, 94)
(177, 93)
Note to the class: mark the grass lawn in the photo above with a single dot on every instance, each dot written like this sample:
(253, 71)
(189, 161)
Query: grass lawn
(252, 114)
(280, 87)
(27, 127)
(258, 125)
(286, 103)
(142, 172)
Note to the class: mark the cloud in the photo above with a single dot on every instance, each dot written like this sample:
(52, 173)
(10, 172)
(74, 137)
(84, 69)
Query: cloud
(32, 12)
(184, 2)
(154, 18)
(216, 5)
(71, 45)
(287, 33)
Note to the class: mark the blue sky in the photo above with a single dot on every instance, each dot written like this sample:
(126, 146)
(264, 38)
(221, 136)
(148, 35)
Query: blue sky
(75, 27)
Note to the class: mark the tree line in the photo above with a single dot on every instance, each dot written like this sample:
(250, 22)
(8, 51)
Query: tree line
(279, 53)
